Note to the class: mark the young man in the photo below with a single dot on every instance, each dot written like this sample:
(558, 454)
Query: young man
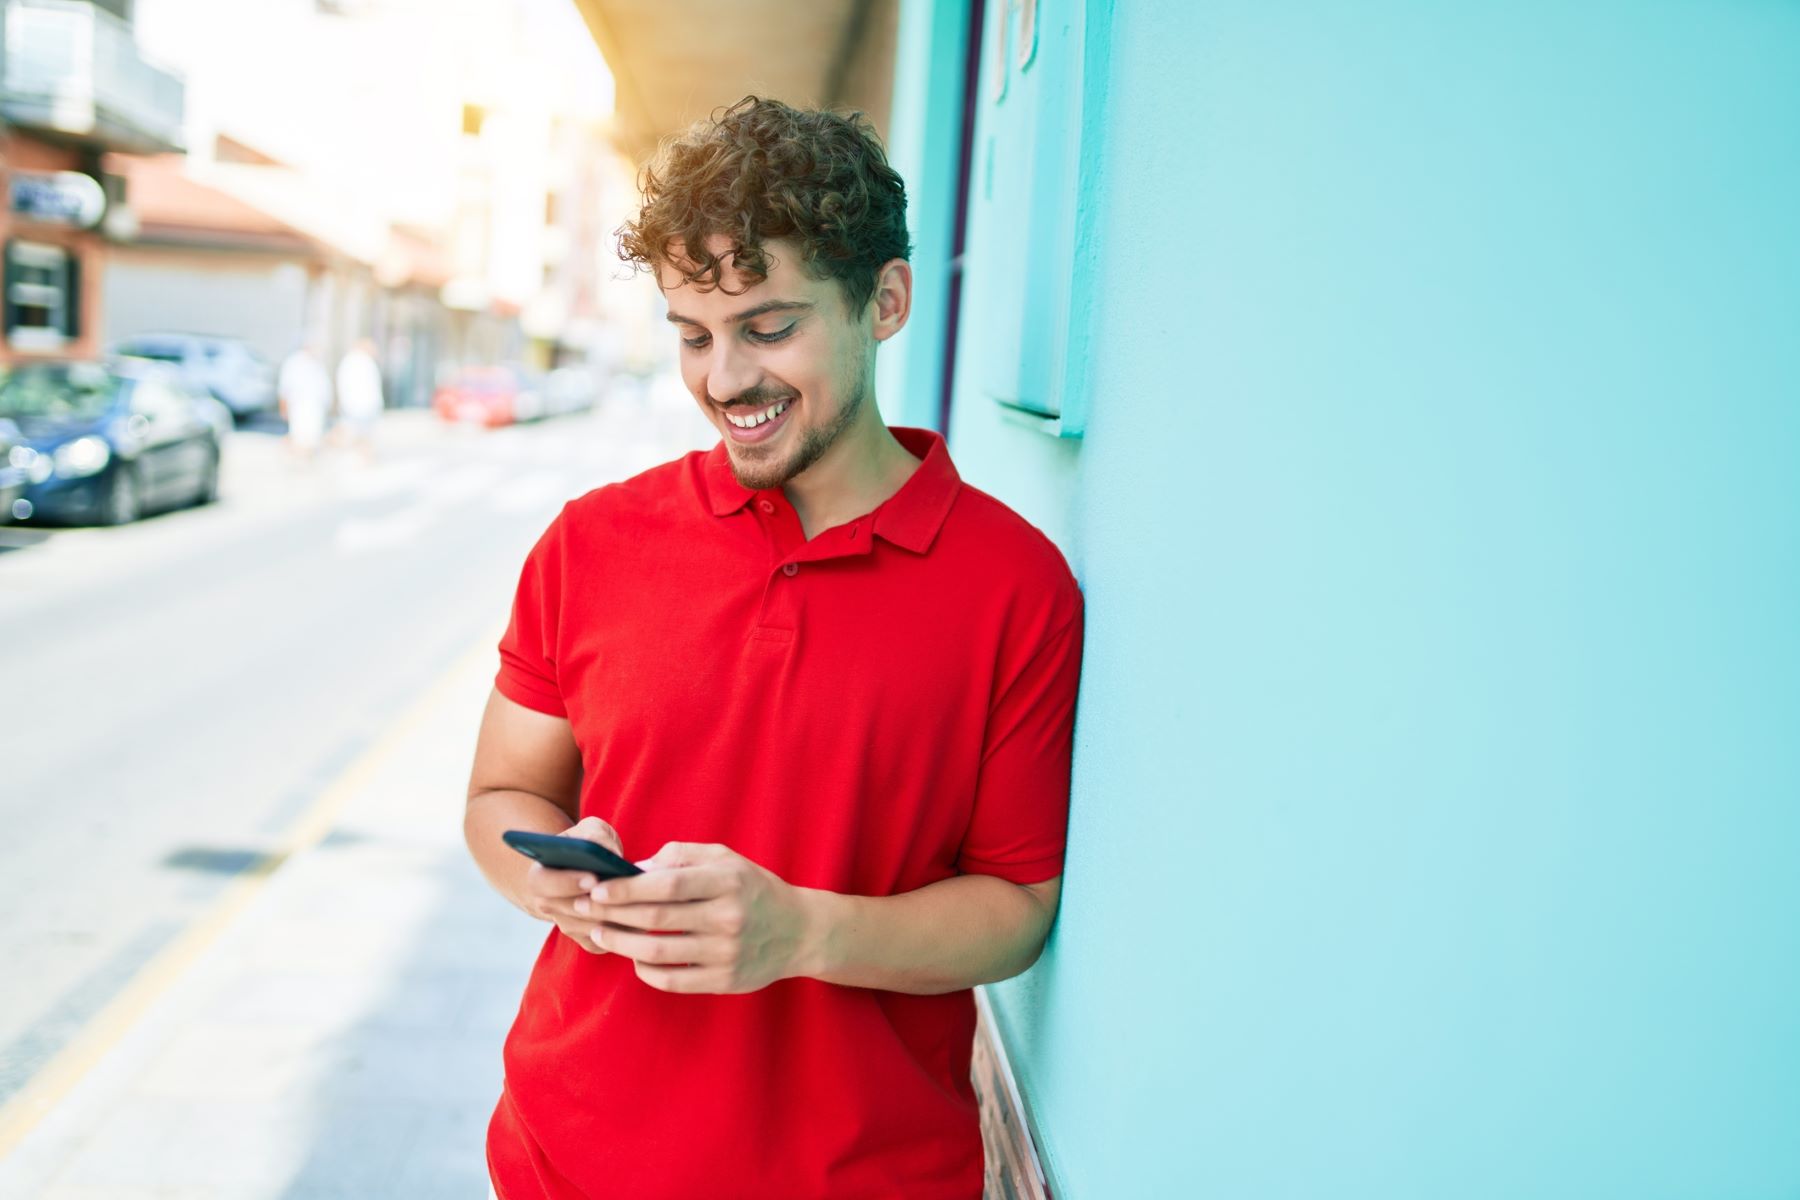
(821, 687)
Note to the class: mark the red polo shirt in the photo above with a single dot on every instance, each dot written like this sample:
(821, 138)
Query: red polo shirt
(883, 706)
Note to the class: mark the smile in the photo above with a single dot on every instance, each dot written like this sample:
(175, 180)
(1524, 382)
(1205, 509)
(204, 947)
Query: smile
(758, 418)
(758, 426)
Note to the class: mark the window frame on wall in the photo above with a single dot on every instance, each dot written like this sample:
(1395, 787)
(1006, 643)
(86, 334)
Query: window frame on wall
(971, 103)
(1032, 190)
(58, 295)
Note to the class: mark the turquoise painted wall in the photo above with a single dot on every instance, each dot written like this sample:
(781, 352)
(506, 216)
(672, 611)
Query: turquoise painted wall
(1437, 793)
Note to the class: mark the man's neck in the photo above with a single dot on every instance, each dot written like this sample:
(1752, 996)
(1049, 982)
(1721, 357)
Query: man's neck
(866, 467)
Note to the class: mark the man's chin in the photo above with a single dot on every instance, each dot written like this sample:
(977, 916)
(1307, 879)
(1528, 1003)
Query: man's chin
(757, 476)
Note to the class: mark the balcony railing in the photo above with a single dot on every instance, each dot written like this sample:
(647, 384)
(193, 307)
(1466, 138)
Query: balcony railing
(69, 68)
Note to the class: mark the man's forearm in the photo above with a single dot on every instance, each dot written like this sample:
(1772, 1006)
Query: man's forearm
(487, 816)
(944, 937)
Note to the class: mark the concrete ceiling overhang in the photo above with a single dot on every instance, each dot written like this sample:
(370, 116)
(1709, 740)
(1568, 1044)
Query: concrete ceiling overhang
(675, 61)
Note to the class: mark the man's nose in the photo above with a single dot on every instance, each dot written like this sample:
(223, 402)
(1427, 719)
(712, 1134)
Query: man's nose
(729, 372)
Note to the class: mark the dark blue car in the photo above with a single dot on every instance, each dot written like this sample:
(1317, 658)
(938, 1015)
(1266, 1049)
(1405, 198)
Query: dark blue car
(104, 444)
(12, 478)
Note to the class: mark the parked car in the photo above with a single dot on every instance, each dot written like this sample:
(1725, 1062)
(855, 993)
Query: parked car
(12, 473)
(224, 367)
(488, 396)
(106, 443)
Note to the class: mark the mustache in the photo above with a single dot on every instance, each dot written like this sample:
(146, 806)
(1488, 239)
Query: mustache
(760, 396)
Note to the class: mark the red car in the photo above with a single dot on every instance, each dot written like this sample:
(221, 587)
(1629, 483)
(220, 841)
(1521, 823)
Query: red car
(487, 396)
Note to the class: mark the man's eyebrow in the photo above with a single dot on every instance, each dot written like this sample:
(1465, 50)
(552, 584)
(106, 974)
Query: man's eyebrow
(749, 314)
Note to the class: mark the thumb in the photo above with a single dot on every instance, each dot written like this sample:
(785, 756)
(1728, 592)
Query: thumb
(595, 830)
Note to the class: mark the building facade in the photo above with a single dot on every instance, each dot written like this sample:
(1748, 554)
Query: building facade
(73, 87)
(412, 174)
(1413, 390)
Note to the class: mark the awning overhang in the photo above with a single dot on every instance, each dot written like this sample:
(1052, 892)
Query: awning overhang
(675, 61)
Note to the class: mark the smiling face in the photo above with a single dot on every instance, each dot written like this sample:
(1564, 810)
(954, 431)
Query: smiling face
(779, 365)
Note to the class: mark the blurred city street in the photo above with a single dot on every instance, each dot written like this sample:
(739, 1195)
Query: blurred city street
(291, 380)
(258, 906)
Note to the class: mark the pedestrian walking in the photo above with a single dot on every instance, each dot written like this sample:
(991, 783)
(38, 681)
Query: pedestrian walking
(819, 689)
(304, 394)
(359, 396)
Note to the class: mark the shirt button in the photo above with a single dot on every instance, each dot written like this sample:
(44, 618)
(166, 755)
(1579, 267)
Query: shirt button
(791, 569)
(765, 506)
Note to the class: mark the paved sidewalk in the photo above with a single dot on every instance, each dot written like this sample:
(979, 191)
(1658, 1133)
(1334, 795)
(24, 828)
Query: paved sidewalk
(340, 1034)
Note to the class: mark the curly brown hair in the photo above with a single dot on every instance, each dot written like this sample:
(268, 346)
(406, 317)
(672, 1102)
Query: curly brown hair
(761, 170)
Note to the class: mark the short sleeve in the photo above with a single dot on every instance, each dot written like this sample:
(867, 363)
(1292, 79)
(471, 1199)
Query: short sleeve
(1021, 815)
(528, 649)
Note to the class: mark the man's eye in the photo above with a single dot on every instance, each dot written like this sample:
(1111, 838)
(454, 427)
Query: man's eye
(697, 343)
(772, 337)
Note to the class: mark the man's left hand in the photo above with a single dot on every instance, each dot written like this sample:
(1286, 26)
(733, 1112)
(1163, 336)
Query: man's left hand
(733, 926)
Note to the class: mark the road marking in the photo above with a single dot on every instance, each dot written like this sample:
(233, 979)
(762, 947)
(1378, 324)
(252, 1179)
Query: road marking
(51, 1085)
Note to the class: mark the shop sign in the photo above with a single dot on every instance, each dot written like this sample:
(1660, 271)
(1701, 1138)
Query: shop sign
(59, 197)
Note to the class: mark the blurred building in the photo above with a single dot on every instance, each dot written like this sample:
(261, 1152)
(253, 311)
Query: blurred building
(397, 169)
(73, 87)
(200, 259)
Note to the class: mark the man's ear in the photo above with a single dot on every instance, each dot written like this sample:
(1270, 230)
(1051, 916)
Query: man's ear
(893, 298)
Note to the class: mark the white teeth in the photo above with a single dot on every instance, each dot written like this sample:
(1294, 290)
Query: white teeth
(751, 422)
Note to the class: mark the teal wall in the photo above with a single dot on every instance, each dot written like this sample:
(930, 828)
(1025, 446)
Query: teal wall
(1436, 827)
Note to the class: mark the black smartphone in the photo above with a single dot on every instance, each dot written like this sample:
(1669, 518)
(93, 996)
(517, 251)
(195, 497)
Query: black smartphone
(570, 854)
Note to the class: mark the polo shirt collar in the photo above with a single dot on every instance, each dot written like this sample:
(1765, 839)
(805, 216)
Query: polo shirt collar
(910, 518)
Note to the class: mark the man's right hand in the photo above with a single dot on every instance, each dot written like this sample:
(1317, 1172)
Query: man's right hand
(550, 893)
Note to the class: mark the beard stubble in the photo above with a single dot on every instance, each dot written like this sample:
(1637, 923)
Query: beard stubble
(761, 476)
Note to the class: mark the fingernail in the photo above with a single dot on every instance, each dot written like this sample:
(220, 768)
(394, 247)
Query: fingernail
(599, 894)
(581, 906)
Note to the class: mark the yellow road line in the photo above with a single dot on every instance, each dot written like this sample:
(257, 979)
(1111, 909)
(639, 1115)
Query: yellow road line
(58, 1078)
